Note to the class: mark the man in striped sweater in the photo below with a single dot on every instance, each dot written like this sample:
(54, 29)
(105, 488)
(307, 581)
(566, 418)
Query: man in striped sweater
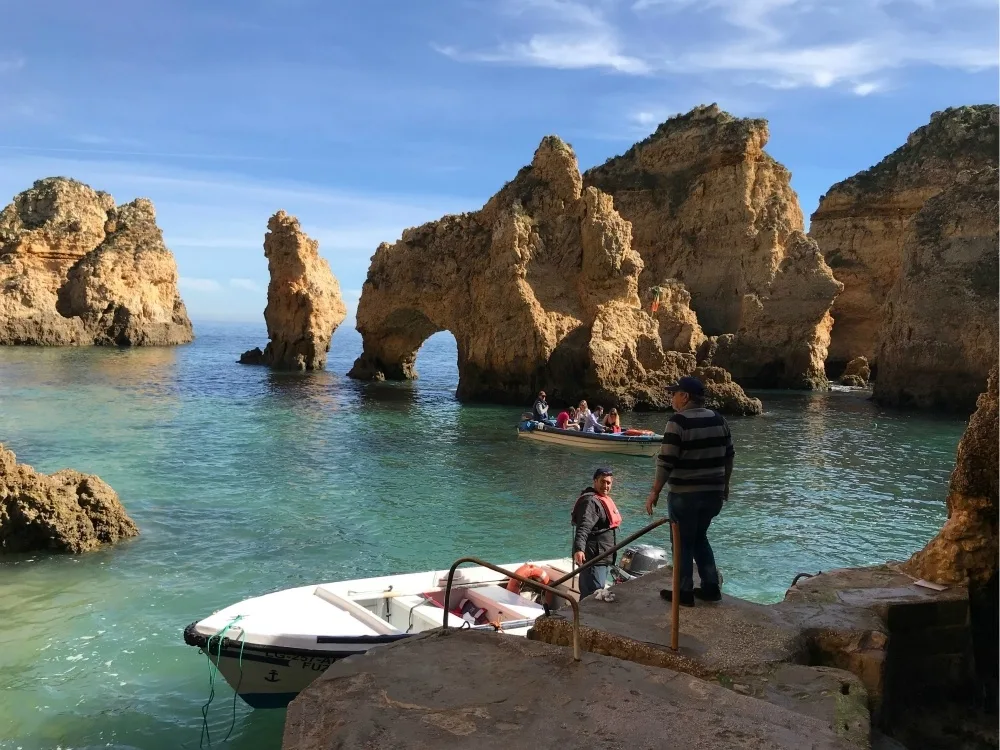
(695, 463)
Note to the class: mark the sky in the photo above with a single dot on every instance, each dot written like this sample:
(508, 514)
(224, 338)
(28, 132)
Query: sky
(363, 119)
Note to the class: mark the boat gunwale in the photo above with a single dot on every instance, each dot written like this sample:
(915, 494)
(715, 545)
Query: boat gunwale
(193, 638)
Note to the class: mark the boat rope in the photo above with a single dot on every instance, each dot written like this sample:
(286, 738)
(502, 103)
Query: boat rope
(213, 672)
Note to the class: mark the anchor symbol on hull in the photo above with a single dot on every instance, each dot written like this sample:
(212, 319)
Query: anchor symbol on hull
(272, 676)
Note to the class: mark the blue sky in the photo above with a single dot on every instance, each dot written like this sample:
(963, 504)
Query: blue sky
(365, 118)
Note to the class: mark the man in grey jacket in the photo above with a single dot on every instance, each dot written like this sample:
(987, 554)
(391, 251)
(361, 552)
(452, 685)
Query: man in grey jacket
(595, 521)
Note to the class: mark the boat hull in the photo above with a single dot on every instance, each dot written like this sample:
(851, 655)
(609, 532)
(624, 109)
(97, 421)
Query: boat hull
(265, 678)
(269, 676)
(623, 446)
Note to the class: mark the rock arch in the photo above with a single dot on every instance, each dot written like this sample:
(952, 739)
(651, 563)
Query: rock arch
(540, 289)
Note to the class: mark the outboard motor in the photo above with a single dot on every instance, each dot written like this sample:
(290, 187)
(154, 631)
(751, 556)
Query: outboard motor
(638, 560)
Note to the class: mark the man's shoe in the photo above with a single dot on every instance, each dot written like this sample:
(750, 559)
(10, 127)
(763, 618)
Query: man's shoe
(687, 597)
(708, 594)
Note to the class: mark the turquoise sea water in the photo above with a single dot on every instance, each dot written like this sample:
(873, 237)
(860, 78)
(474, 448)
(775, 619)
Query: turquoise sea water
(244, 481)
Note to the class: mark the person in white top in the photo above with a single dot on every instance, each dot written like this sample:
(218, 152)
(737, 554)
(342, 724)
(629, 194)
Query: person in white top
(592, 422)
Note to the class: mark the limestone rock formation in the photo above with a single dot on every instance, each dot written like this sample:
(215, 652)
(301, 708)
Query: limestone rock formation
(938, 338)
(304, 306)
(74, 269)
(966, 547)
(710, 208)
(125, 291)
(62, 512)
(725, 396)
(857, 373)
(540, 288)
(861, 223)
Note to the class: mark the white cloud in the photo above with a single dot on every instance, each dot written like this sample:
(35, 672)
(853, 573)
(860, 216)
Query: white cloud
(795, 43)
(561, 34)
(199, 285)
(248, 284)
(781, 44)
(864, 89)
(561, 51)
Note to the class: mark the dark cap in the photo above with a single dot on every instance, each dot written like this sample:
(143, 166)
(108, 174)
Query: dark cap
(603, 471)
(689, 385)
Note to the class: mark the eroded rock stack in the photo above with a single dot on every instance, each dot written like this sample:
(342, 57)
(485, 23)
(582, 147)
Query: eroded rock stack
(856, 373)
(541, 289)
(711, 209)
(76, 269)
(304, 306)
(863, 224)
(63, 512)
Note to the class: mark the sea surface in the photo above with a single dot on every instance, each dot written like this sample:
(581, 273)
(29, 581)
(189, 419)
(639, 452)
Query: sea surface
(244, 481)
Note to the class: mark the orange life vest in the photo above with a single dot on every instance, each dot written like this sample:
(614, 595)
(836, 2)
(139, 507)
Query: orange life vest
(614, 517)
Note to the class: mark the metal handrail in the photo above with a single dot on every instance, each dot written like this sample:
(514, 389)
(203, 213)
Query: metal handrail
(593, 561)
(675, 599)
(517, 576)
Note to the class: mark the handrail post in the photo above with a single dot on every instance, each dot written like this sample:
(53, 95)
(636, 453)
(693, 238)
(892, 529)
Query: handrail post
(675, 598)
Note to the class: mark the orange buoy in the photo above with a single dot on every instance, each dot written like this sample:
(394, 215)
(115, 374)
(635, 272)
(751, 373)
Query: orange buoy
(528, 571)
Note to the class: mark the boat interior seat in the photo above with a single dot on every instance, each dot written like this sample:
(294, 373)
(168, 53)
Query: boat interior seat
(499, 602)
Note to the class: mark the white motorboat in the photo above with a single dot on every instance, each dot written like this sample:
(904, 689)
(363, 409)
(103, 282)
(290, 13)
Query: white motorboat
(272, 647)
(629, 445)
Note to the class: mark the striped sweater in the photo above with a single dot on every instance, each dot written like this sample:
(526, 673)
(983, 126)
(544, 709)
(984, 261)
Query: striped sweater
(696, 447)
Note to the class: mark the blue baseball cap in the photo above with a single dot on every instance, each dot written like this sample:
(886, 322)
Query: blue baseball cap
(689, 385)
(603, 471)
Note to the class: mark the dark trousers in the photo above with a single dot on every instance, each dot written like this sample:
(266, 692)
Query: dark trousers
(592, 579)
(693, 513)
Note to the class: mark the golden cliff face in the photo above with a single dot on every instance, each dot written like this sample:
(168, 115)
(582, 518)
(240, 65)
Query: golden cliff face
(938, 335)
(541, 289)
(862, 223)
(304, 306)
(711, 209)
(76, 269)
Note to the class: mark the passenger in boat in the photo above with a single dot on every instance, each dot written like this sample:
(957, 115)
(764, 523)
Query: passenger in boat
(611, 423)
(596, 520)
(592, 422)
(567, 419)
(581, 413)
(541, 408)
(695, 463)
